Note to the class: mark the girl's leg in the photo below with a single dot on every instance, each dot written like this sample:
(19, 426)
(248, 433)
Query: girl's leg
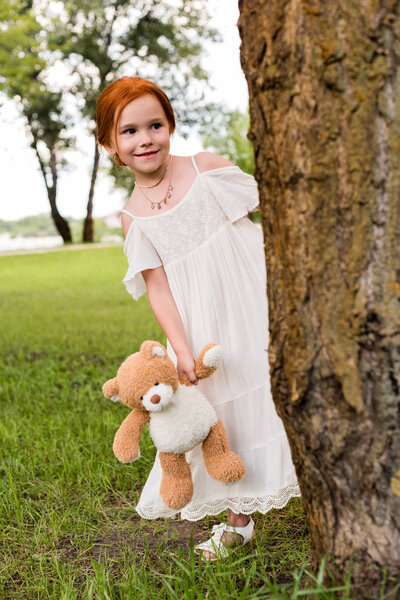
(239, 520)
(229, 538)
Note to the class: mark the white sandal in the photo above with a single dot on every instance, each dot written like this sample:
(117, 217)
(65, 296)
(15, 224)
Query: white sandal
(215, 544)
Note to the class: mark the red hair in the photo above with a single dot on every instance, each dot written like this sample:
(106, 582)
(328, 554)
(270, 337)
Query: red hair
(116, 96)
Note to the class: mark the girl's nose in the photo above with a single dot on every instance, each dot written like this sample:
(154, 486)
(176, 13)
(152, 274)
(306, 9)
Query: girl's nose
(145, 138)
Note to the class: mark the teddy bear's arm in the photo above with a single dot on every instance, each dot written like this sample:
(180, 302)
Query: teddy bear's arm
(126, 440)
(206, 363)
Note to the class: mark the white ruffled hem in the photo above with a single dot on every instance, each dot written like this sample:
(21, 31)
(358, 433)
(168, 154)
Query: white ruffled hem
(243, 505)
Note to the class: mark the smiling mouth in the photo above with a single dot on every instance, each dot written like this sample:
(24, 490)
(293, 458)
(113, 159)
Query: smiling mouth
(147, 153)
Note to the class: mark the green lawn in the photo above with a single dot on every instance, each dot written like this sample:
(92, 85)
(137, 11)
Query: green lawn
(69, 529)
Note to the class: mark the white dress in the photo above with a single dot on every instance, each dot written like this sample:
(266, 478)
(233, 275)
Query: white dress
(213, 256)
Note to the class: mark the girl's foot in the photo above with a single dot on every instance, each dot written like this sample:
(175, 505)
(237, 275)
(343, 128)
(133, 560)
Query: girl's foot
(225, 536)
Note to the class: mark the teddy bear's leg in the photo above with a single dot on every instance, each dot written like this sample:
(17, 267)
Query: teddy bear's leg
(221, 462)
(176, 488)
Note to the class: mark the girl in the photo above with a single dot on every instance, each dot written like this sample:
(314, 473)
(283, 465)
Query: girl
(190, 243)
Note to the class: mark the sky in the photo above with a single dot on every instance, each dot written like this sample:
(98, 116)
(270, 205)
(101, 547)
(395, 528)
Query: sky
(23, 192)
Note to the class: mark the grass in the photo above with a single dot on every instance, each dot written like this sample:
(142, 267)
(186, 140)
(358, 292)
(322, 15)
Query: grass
(69, 529)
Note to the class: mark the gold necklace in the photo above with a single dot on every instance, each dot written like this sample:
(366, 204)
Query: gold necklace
(167, 196)
(159, 181)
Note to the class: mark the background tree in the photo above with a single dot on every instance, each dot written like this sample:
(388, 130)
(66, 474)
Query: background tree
(104, 39)
(22, 59)
(76, 48)
(224, 132)
(325, 111)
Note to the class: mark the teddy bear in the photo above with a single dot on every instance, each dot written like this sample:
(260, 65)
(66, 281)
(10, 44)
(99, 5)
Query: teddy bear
(179, 418)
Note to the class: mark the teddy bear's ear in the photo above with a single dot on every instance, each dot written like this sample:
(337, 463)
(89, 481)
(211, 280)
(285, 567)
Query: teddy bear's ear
(151, 349)
(110, 389)
(157, 351)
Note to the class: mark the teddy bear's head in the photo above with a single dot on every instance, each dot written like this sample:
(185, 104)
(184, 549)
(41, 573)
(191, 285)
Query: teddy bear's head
(146, 380)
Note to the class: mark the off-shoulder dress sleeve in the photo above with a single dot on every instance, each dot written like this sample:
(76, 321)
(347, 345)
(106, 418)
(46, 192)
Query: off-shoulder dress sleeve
(141, 255)
(235, 191)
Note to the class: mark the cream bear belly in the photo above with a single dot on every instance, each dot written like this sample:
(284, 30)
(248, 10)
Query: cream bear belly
(184, 423)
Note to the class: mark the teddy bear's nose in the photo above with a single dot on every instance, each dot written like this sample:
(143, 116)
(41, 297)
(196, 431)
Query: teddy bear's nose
(155, 399)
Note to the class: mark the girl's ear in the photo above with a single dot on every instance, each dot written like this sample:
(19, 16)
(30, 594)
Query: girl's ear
(109, 149)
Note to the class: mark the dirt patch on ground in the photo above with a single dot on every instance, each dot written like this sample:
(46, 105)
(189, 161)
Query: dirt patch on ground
(174, 535)
(160, 534)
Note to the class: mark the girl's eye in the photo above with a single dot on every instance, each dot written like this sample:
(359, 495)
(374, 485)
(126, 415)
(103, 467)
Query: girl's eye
(157, 125)
(156, 383)
(130, 130)
(141, 397)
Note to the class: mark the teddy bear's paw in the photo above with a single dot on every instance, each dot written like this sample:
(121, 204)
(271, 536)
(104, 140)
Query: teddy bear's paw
(176, 493)
(213, 357)
(226, 467)
(208, 360)
(229, 483)
(129, 460)
(125, 456)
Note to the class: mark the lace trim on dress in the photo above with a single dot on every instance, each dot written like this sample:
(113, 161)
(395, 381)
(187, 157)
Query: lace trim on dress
(185, 226)
(239, 505)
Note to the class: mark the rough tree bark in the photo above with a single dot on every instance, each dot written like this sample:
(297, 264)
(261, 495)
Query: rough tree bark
(324, 85)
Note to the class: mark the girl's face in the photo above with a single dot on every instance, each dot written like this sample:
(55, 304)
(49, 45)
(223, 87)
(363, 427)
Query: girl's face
(142, 136)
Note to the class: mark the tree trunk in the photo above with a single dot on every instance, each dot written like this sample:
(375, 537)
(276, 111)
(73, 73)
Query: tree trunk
(88, 233)
(60, 223)
(325, 125)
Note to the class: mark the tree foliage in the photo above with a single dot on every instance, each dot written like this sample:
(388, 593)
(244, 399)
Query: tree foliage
(123, 177)
(82, 46)
(225, 132)
(24, 62)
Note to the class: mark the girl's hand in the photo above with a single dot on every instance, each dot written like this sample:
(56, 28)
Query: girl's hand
(185, 366)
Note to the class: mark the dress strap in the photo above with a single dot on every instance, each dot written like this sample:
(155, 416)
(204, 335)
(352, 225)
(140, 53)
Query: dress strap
(196, 168)
(128, 213)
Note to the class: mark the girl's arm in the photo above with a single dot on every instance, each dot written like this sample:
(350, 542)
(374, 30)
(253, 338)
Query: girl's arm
(166, 312)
